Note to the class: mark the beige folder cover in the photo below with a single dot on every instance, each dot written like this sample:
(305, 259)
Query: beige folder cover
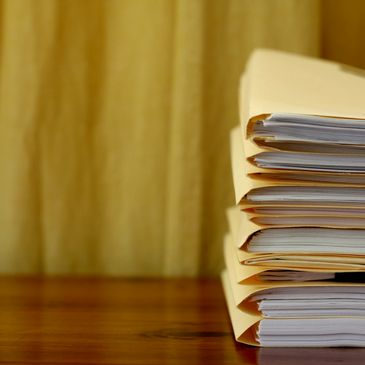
(322, 88)
(244, 325)
(244, 315)
(249, 223)
(243, 229)
(250, 274)
(244, 182)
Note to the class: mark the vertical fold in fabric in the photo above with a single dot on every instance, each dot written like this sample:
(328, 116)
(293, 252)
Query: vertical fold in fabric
(184, 169)
(24, 53)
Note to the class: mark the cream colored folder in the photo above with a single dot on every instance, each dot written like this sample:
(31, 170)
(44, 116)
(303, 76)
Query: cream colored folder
(336, 93)
(240, 286)
(251, 275)
(242, 231)
(253, 222)
(279, 82)
(246, 318)
(244, 182)
(244, 325)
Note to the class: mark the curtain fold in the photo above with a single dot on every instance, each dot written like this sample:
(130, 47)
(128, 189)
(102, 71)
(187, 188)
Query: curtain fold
(114, 126)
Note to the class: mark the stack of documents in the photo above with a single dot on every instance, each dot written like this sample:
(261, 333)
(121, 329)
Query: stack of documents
(295, 250)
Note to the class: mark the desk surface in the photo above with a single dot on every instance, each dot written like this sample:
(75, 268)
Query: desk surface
(115, 321)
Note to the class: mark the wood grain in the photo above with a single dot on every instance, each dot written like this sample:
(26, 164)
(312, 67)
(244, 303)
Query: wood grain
(116, 321)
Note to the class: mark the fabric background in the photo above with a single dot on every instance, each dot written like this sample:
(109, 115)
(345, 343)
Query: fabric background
(114, 124)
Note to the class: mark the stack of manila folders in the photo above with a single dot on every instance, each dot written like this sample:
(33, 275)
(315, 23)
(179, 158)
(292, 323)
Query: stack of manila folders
(295, 250)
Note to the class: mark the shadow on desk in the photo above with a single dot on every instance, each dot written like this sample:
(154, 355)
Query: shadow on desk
(301, 356)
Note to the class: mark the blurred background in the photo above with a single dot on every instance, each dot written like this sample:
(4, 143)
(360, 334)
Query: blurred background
(114, 124)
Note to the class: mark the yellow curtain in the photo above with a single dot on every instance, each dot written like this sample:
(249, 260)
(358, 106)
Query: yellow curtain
(114, 123)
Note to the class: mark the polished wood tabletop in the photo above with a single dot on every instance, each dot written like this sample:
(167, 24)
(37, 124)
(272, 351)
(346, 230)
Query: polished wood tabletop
(126, 321)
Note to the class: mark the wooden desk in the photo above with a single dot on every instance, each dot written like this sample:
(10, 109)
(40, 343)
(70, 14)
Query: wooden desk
(113, 321)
